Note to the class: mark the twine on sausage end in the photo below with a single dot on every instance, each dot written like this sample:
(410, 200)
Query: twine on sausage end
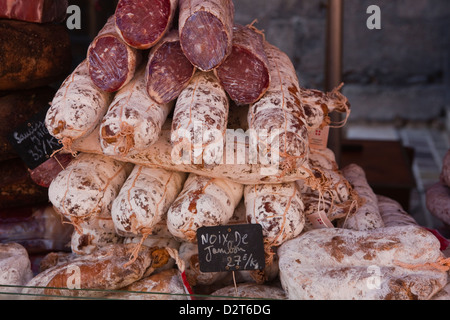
(135, 252)
(442, 264)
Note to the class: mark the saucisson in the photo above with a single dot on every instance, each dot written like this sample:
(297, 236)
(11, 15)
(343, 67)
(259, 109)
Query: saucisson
(278, 208)
(77, 108)
(200, 121)
(279, 114)
(245, 72)
(203, 201)
(367, 216)
(97, 272)
(87, 188)
(133, 121)
(144, 199)
(159, 155)
(168, 70)
(112, 62)
(317, 106)
(141, 24)
(206, 31)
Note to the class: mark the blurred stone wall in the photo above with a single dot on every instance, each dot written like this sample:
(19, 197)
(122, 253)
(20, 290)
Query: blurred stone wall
(399, 74)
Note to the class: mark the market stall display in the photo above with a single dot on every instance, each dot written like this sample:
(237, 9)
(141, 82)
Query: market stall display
(160, 154)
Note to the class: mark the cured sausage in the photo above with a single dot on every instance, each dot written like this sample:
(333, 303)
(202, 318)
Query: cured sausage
(165, 285)
(77, 108)
(336, 199)
(206, 31)
(168, 70)
(367, 215)
(160, 155)
(87, 188)
(92, 234)
(203, 201)
(104, 269)
(438, 201)
(112, 62)
(143, 23)
(278, 114)
(445, 172)
(200, 121)
(395, 263)
(133, 121)
(245, 72)
(44, 174)
(278, 208)
(144, 199)
(15, 266)
(393, 213)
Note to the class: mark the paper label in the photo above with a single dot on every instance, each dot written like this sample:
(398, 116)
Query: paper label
(318, 139)
(319, 220)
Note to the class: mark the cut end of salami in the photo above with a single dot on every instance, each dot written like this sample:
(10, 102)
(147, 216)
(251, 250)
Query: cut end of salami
(204, 40)
(168, 72)
(142, 23)
(108, 63)
(44, 174)
(244, 76)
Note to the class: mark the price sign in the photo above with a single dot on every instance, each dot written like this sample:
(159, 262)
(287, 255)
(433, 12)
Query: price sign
(231, 248)
(33, 142)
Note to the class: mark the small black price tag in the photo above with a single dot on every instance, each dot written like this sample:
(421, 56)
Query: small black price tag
(33, 142)
(231, 248)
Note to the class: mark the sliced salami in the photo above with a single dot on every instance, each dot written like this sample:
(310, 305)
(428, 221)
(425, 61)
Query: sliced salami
(245, 72)
(141, 24)
(112, 62)
(168, 70)
(206, 31)
(134, 120)
(44, 174)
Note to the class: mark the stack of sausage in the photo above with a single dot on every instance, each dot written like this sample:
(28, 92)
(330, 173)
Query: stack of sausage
(35, 53)
(148, 113)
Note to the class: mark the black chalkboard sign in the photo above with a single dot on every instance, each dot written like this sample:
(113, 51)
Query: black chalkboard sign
(231, 248)
(32, 141)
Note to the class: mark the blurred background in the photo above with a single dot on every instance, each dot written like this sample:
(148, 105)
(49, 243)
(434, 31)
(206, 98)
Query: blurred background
(397, 79)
